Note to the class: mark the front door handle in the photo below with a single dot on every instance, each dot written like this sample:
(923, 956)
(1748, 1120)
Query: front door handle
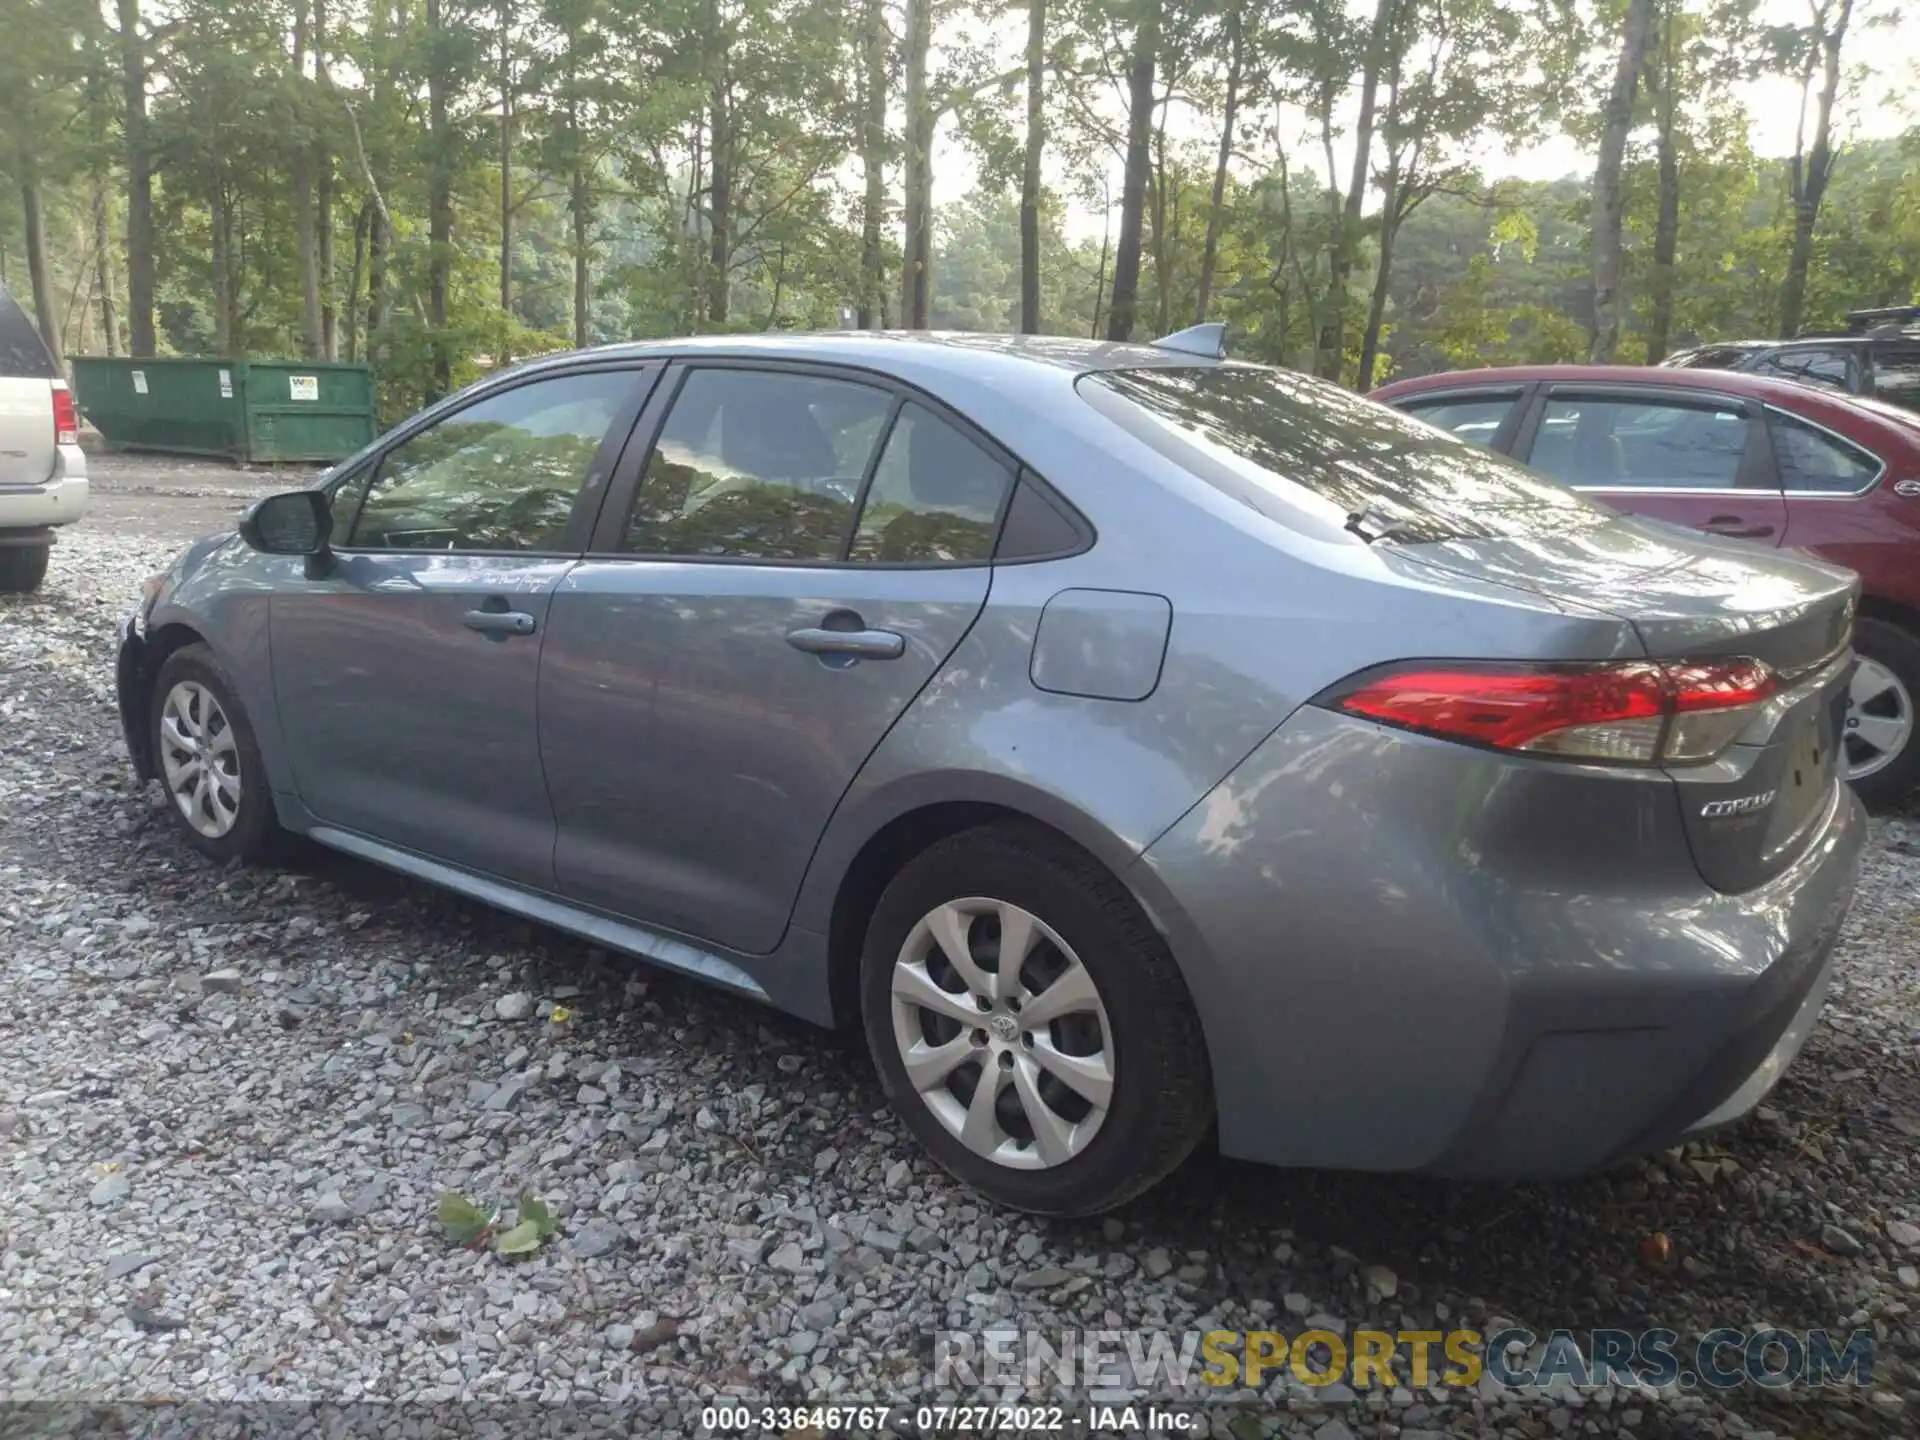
(1735, 528)
(499, 622)
(861, 644)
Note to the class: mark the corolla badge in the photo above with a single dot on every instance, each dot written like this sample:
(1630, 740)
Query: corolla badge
(1906, 487)
(1745, 805)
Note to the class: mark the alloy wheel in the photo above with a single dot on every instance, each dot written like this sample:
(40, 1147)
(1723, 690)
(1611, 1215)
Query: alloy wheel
(1879, 719)
(1003, 1033)
(200, 759)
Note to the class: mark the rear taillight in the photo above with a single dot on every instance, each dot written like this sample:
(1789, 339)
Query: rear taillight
(66, 421)
(1635, 713)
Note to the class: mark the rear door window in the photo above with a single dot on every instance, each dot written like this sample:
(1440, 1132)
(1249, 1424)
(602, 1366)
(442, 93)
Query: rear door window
(1604, 443)
(935, 496)
(1816, 461)
(758, 465)
(23, 356)
(1317, 458)
(1477, 417)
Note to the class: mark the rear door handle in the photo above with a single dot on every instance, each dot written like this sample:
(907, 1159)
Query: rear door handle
(862, 644)
(1735, 528)
(499, 622)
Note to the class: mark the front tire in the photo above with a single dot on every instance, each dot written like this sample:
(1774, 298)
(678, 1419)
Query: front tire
(1029, 1024)
(208, 760)
(22, 568)
(1883, 762)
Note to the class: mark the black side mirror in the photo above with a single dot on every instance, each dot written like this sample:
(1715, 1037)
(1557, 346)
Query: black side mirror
(296, 522)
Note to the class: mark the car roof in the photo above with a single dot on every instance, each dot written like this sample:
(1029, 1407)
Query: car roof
(1869, 422)
(979, 356)
(1727, 382)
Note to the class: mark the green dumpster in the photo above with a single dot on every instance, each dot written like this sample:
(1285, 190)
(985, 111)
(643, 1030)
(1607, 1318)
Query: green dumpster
(247, 410)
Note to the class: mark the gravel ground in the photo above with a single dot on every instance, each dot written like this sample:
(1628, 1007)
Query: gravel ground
(230, 1098)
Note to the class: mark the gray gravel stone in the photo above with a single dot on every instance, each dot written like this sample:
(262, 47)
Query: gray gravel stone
(595, 1238)
(110, 1189)
(1839, 1241)
(375, 1067)
(122, 1266)
(515, 1006)
(330, 1209)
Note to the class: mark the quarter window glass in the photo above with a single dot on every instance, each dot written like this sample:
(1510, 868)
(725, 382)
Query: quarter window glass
(1811, 367)
(757, 465)
(1810, 459)
(935, 495)
(502, 474)
(1475, 420)
(1896, 375)
(1619, 444)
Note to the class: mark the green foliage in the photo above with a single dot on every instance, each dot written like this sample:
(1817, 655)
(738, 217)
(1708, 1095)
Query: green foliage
(673, 166)
(468, 1226)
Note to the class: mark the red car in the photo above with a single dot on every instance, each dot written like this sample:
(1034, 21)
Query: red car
(1770, 461)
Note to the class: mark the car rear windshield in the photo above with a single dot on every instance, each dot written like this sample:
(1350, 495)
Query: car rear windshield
(1709, 357)
(22, 355)
(1313, 456)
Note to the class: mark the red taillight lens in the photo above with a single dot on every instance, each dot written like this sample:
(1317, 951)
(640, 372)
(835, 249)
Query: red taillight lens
(66, 420)
(1640, 712)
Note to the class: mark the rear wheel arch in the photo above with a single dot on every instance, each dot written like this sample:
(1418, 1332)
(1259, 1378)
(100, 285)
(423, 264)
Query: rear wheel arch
(1897, 649)
(1878, 607)
(900, 839)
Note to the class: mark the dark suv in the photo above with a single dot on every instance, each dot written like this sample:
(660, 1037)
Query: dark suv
(1878, 354)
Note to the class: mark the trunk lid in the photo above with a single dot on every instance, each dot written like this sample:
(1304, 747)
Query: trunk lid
(1690, 596)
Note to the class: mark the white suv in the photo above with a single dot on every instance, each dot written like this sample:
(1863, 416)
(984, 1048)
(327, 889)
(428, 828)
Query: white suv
(43, 473)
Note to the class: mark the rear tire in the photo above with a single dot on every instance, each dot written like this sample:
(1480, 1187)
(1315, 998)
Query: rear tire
(1896, 653)
(1120, 1028)
(22, 568)
(200, 732)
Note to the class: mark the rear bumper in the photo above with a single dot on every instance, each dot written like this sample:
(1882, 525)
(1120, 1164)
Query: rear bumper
(61, 501)
(1410, 955)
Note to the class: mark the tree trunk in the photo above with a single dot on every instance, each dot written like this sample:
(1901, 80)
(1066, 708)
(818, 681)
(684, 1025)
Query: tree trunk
(439, 202)
(1390, 217)
(873, 162)
(103, 270)
(323, 190)
(361, 222)
(1666, 228)
(1609, 198)
(506, 171)
(220, 222)
(46, 314)
(377, 242)
(313, 338)
(1165, 234)
(1211, 248)
(139, 157)
(916, 260)
(579, 208)
(1133, 185)
(1331, 356)
(1807, 177)
(720, 212)
(1100, 276)
(1030, 170)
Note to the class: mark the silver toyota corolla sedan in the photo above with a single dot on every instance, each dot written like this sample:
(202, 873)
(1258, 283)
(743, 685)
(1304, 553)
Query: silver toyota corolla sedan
(1132, 741)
